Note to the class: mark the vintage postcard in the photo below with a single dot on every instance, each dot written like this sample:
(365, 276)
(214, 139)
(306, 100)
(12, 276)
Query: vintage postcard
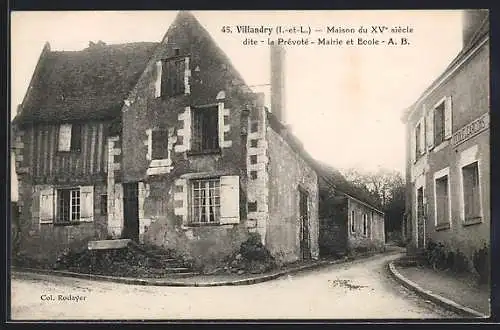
(235, 165)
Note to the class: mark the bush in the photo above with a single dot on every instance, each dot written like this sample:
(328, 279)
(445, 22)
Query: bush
(436, 256)
(253, 250)
(481, 263)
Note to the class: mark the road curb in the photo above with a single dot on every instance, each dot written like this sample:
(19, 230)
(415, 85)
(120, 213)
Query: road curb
(442, 301)
(169, 282)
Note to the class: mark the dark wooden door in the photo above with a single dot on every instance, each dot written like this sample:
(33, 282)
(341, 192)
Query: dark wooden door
(305, 247)
(131, 211)
(420, 219)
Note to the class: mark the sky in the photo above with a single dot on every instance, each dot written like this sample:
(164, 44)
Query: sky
(343, 102)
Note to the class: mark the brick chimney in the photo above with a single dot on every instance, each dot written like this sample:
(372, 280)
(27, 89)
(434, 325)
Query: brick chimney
(471, 22)
(278, 82)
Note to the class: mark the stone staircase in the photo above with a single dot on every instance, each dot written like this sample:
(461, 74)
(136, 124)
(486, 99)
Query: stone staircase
(125, 254)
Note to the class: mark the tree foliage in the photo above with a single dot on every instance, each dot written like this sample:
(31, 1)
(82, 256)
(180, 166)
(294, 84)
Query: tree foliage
(385, 186)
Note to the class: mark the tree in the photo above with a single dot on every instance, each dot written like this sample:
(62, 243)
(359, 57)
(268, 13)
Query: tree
(387, 187)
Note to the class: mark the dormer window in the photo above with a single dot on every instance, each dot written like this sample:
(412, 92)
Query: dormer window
(70, 137)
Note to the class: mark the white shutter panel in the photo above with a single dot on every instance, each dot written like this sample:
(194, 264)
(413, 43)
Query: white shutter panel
(158, 79)
(229, 199)
(430, 129)
(64, 137)
(87, 203)
(447, 118)
(47, 205)
(422, 135)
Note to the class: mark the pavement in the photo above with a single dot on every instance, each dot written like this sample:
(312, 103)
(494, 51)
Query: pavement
(459, 293)
(353, 290)
(201, 280)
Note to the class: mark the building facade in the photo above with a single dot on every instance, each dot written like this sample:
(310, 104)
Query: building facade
(448, 151)
(163, 143)
(347, 223)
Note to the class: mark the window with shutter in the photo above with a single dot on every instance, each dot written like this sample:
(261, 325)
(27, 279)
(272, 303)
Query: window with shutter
(46, 205)
(205, 202)
(70, 137)
(230, 200)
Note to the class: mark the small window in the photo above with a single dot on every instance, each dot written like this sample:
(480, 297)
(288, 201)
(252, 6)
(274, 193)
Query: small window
(353, 222)
(365, 224)
(176, 51)
(253, 159)
(172, 78)
(252, 206)
(439, 123)
(472, 204)
(253, 175)
(254, 143)
(68, 205)
(205, 201)
(104, 204)
(205, 129)
(159, 144)
(442, 201)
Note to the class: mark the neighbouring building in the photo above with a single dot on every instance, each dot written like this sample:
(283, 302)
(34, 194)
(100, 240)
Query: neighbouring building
(349, 219)
(448, 150)
(163, 143)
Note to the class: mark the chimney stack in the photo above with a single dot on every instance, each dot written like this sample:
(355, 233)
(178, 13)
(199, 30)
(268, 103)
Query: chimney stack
(278, 82)
(471, 22)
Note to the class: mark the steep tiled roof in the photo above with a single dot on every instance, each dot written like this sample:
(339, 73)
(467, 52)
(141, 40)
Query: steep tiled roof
(83, 85)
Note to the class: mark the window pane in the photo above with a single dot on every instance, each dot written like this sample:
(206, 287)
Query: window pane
(76, 137)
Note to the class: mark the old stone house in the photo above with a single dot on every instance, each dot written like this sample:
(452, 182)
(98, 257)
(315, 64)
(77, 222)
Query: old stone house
(448, 151)
(163, 143)
(349, 219)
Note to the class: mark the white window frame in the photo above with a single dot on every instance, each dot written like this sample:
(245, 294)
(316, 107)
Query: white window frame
(445, 172)
(71, 220)
(467, 157)
(192, 206)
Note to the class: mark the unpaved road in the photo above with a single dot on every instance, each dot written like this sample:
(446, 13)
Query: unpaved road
(360, 289)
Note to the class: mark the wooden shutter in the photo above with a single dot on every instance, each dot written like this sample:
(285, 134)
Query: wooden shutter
(430, 129)
(87, 203)
(158, 79)
(64, 137)
(447, 118)
(422, 135)
(413, 144)
(47, 205)
(229, 199)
